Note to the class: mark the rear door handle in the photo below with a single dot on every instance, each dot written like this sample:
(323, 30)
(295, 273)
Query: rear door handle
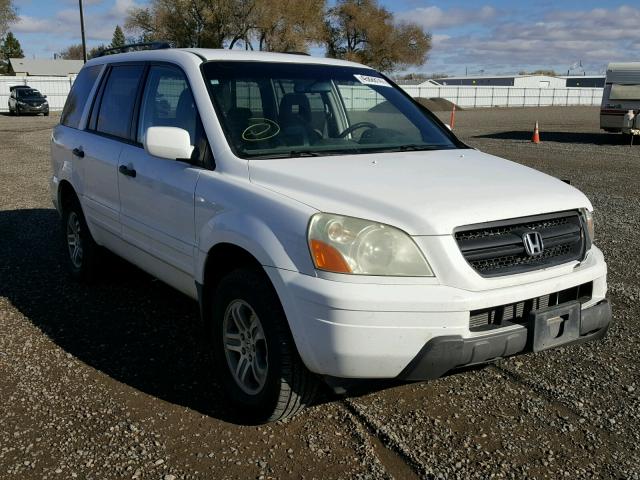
(78, 152)
(129, 172)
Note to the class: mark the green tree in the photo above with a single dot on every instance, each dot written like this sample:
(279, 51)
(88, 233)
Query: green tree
(363, 31)
(288, 25)
(8, 15)
(185, 23)
(118, 39)
(10, 48)
(263, 24)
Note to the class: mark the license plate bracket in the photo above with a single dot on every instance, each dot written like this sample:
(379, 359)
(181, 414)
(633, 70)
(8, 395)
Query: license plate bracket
(553, 326)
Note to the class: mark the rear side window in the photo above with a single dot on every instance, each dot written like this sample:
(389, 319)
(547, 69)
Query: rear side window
(74, 106)
(118, 101)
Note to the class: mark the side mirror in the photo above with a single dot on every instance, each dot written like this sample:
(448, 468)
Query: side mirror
(171, 143)
(44, 96)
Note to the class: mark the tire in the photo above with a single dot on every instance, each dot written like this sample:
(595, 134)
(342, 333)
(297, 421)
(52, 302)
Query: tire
(46, 114)
(276, 384)
(82, 262)
(16, 112)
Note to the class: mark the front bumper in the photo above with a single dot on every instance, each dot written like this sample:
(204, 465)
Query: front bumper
(34, 108)
(442, 354)
(368, 330)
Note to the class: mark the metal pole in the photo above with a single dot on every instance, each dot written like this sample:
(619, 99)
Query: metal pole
(84, 42)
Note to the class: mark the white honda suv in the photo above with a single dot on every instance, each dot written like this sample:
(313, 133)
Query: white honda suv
(330, 227)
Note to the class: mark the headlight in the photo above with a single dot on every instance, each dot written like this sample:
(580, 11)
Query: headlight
(361, 247)
(588, 221)
(20, 102)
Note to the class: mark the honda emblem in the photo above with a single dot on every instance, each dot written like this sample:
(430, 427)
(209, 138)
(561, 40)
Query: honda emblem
(533, 243)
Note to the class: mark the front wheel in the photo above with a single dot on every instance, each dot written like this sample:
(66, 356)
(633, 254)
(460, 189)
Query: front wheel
(260, 368)
(16, 112)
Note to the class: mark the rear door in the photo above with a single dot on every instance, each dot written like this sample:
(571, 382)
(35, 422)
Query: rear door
(158, 202)
(100, 145)
(69, 135)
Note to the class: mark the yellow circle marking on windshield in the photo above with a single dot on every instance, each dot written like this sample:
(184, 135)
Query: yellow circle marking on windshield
(262, 129)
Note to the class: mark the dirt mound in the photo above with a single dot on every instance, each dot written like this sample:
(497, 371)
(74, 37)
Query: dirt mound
(433, 104)
(437, 104)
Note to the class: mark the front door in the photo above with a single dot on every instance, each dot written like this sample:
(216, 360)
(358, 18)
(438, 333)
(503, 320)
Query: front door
(157, 195)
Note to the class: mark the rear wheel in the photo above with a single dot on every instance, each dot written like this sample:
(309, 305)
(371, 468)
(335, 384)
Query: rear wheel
(260, 368)
(82, 252)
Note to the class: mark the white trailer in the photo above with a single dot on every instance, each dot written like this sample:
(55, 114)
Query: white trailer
(621, 94)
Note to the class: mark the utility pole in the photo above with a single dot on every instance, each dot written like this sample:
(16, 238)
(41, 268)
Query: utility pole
(84, 42)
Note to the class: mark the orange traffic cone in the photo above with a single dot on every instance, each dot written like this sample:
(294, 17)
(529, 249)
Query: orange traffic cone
(536, 135)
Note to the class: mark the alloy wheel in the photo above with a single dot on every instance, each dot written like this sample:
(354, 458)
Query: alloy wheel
(245, 347)
(74, 239)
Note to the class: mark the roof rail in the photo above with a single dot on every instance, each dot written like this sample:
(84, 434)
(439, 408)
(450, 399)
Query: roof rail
(297, 53)
(159, 45)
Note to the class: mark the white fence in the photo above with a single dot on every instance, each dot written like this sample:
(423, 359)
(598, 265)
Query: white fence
(476, 97)
(57, 88)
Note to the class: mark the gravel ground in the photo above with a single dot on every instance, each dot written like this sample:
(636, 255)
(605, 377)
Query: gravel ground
(112, 381)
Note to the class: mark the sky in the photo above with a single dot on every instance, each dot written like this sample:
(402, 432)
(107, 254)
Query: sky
(474, 37)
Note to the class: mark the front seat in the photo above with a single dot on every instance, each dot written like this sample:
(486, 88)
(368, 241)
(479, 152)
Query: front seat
(295, 119)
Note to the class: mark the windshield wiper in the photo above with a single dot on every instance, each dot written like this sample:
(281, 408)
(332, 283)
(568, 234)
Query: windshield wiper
(303, 153)
(289, 154)
(417, 147)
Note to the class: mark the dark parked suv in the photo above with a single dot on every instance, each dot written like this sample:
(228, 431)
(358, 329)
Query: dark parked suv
(27, 100)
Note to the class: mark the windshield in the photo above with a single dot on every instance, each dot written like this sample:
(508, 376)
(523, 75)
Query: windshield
(272, 110)
(28, 93)
(625, 92)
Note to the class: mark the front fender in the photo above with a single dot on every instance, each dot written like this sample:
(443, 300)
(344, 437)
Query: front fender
(269, 226)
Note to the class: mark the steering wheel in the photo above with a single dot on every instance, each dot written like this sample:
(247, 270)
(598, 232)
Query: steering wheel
(356, 126)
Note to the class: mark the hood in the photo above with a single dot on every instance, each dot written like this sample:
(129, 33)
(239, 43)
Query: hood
(423, 193)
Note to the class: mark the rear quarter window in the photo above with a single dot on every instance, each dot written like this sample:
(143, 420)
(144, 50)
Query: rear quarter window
(74, 106)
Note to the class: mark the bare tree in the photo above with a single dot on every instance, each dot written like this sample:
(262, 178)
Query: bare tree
(72, 52)
(365, 32)
(8, 15)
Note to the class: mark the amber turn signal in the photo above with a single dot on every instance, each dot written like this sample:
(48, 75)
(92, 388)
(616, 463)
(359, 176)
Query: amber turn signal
(328, 258)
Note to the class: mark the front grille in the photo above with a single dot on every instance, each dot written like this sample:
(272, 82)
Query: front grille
(498, 248)
(518, 312)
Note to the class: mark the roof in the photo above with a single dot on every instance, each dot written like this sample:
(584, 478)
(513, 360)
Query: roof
(578, 77)
(410, 81)
(46, 67)
(628, 66)
(484, 77)
(223, 54)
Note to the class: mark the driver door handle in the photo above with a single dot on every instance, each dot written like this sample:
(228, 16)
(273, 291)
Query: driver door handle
(129, 172)
(78, 152)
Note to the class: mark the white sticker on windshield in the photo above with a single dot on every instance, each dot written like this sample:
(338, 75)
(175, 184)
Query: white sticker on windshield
(369, 80)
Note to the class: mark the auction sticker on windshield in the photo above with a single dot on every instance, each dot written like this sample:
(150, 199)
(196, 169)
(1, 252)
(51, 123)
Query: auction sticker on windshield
(369, 80)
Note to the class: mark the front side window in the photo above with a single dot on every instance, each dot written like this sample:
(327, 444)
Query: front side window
(78, 96)
(118, 100)
(271, 110)
(167, 102)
